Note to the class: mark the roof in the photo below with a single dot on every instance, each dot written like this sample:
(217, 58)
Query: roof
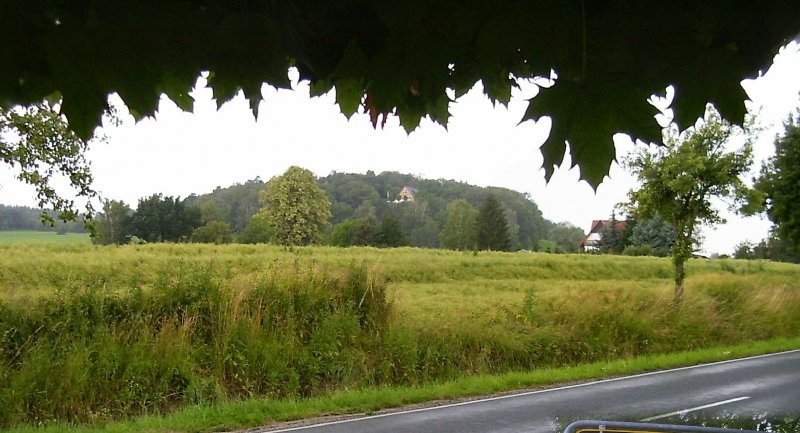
(598, 226)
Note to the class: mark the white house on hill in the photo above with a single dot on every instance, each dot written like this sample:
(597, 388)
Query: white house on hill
(406, 194)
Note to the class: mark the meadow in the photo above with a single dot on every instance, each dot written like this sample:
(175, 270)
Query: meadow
(150, 329)
(29, 236)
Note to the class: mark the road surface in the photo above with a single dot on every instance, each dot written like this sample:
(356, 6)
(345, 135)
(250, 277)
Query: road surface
(761, 384)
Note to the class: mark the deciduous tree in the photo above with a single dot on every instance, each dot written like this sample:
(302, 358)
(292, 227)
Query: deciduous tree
(257, 231)
(164, 219)
(113, 225)
(213, 232)
(296, 207)
(679, 179)
(37, 141)
(459, 230)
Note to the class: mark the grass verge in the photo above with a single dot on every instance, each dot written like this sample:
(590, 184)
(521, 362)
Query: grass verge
(244, 414)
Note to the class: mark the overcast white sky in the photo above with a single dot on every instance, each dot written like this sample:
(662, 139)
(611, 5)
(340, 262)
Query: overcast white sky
(181, 153)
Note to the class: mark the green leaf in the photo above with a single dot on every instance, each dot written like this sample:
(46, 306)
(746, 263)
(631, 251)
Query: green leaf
(498, 88)
(177, 88)
(440, 110)
(319, 87)
(587, 116)
(411, 113)
(253, 94)
(348, 95)
(557, 103)
(223, 89)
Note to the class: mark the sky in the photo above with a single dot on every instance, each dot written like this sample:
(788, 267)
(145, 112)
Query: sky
(178, 153)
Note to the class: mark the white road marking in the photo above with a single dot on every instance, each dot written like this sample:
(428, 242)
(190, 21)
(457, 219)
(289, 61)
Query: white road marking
(266, 429)
(692, 409)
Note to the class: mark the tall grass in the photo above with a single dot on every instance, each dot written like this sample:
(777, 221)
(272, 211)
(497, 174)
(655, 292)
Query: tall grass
(89, 334)
(88, 354)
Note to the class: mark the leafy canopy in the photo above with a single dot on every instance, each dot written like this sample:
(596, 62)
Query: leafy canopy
(37, 141)
(780, 183)
(402, 57)
(679, 180)
(296, 207)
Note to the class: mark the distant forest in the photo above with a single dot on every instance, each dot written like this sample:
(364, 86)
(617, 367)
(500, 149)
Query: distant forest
(28, 218)
(372, 197)
(364, 201)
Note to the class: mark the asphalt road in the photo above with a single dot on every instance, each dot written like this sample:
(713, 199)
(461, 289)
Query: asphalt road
(762, 384)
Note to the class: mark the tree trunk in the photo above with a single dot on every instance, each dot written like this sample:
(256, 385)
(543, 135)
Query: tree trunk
(682, 251)
(680, 274)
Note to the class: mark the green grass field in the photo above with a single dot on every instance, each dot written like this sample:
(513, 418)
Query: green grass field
(29, 236)
(151, 329)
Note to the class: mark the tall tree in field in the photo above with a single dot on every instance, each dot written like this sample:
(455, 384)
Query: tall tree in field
(678, 180)
(113, 225)
(780, 184)
(459, 230)
(492, 226)
(296, 207)
(164, 219)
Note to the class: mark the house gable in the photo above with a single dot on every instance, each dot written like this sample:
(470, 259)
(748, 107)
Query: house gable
(406, 194)
(592, 240)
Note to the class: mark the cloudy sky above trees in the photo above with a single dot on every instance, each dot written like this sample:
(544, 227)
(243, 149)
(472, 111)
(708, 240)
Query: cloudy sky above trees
(179, 153)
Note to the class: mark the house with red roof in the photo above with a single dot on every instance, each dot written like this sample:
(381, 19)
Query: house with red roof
(591, 242)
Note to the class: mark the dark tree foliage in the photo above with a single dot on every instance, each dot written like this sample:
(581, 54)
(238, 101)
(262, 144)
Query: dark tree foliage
(611, 241)
(354, 232)
(402, 57)
(656, 233)
(771, 248)
(164, 219)
(627, 232)
(780, 182)
(492, 226)
(391, 233)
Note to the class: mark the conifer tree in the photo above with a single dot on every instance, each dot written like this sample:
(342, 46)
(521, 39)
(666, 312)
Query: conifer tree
(492, 226)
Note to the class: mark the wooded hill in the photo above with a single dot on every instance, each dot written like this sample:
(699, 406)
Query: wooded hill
(373, 197)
